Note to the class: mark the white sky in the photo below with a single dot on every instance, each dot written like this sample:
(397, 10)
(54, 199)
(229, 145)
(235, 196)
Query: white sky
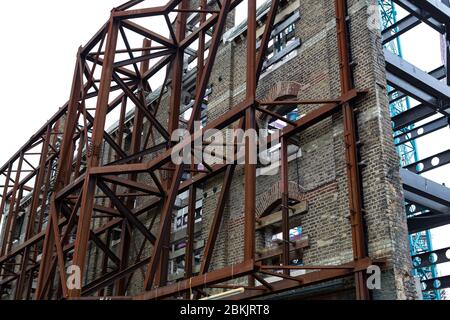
(38, 54)
(37, 59)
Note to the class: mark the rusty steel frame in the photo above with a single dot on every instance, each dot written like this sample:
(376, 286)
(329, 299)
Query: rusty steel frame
(67, 190)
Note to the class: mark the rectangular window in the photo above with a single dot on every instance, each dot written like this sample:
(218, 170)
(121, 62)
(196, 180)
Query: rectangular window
(283, 43)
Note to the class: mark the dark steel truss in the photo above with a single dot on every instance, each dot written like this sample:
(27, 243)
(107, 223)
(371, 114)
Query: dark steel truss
(71, 173)
(427, 202)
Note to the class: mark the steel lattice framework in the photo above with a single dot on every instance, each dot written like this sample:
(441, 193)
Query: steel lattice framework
(71, 174)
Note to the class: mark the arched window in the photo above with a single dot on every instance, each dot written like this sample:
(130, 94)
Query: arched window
(269, 237)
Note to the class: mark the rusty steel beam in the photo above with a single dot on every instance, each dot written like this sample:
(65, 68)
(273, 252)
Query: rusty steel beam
(250, 142)
(189, 256)
(33, 211)
(126, 211)
(351, 152)
(82, 235)
(266, 37)
(132, 184)
(213, 277)
(126, 228)
(74, 188)
(173, 124)
(177, 73)
(285, 203)
(308, 279)
(220, 123)
(5, 189)
(63, 175)
(7, 237)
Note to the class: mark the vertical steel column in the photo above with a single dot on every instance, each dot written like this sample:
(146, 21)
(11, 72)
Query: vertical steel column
(119, 141)
(177, 73)
(83, 228)
(285, 203)
(8, 222)
(77, 168)
(62, 178)
(32, 215)
(12, 208)
(354, 188)
(5, 195)
(123, 110)
(190, 230)
(174, 119)
(250, 124)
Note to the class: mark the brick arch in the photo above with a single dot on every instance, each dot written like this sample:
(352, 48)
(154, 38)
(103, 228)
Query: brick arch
(270, 198)
(282, 90)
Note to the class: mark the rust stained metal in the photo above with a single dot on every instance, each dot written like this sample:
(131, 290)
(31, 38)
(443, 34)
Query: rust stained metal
(69, 181)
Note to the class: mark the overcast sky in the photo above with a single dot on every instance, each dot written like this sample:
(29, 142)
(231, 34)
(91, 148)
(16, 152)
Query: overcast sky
(39, 43)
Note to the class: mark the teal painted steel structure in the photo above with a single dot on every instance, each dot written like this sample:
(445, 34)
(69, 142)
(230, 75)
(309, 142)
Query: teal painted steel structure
(419, 242)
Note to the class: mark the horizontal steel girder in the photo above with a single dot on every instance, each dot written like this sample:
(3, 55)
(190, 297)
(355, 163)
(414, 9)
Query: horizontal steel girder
(411, 116)
(436, 283)
(431, 258)
(438, 73)
(435, 8)
(421, 10)
(427, 221)
(430, 163)
(427, 88)
(421, 131)
(399, 28)
(426, 194)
